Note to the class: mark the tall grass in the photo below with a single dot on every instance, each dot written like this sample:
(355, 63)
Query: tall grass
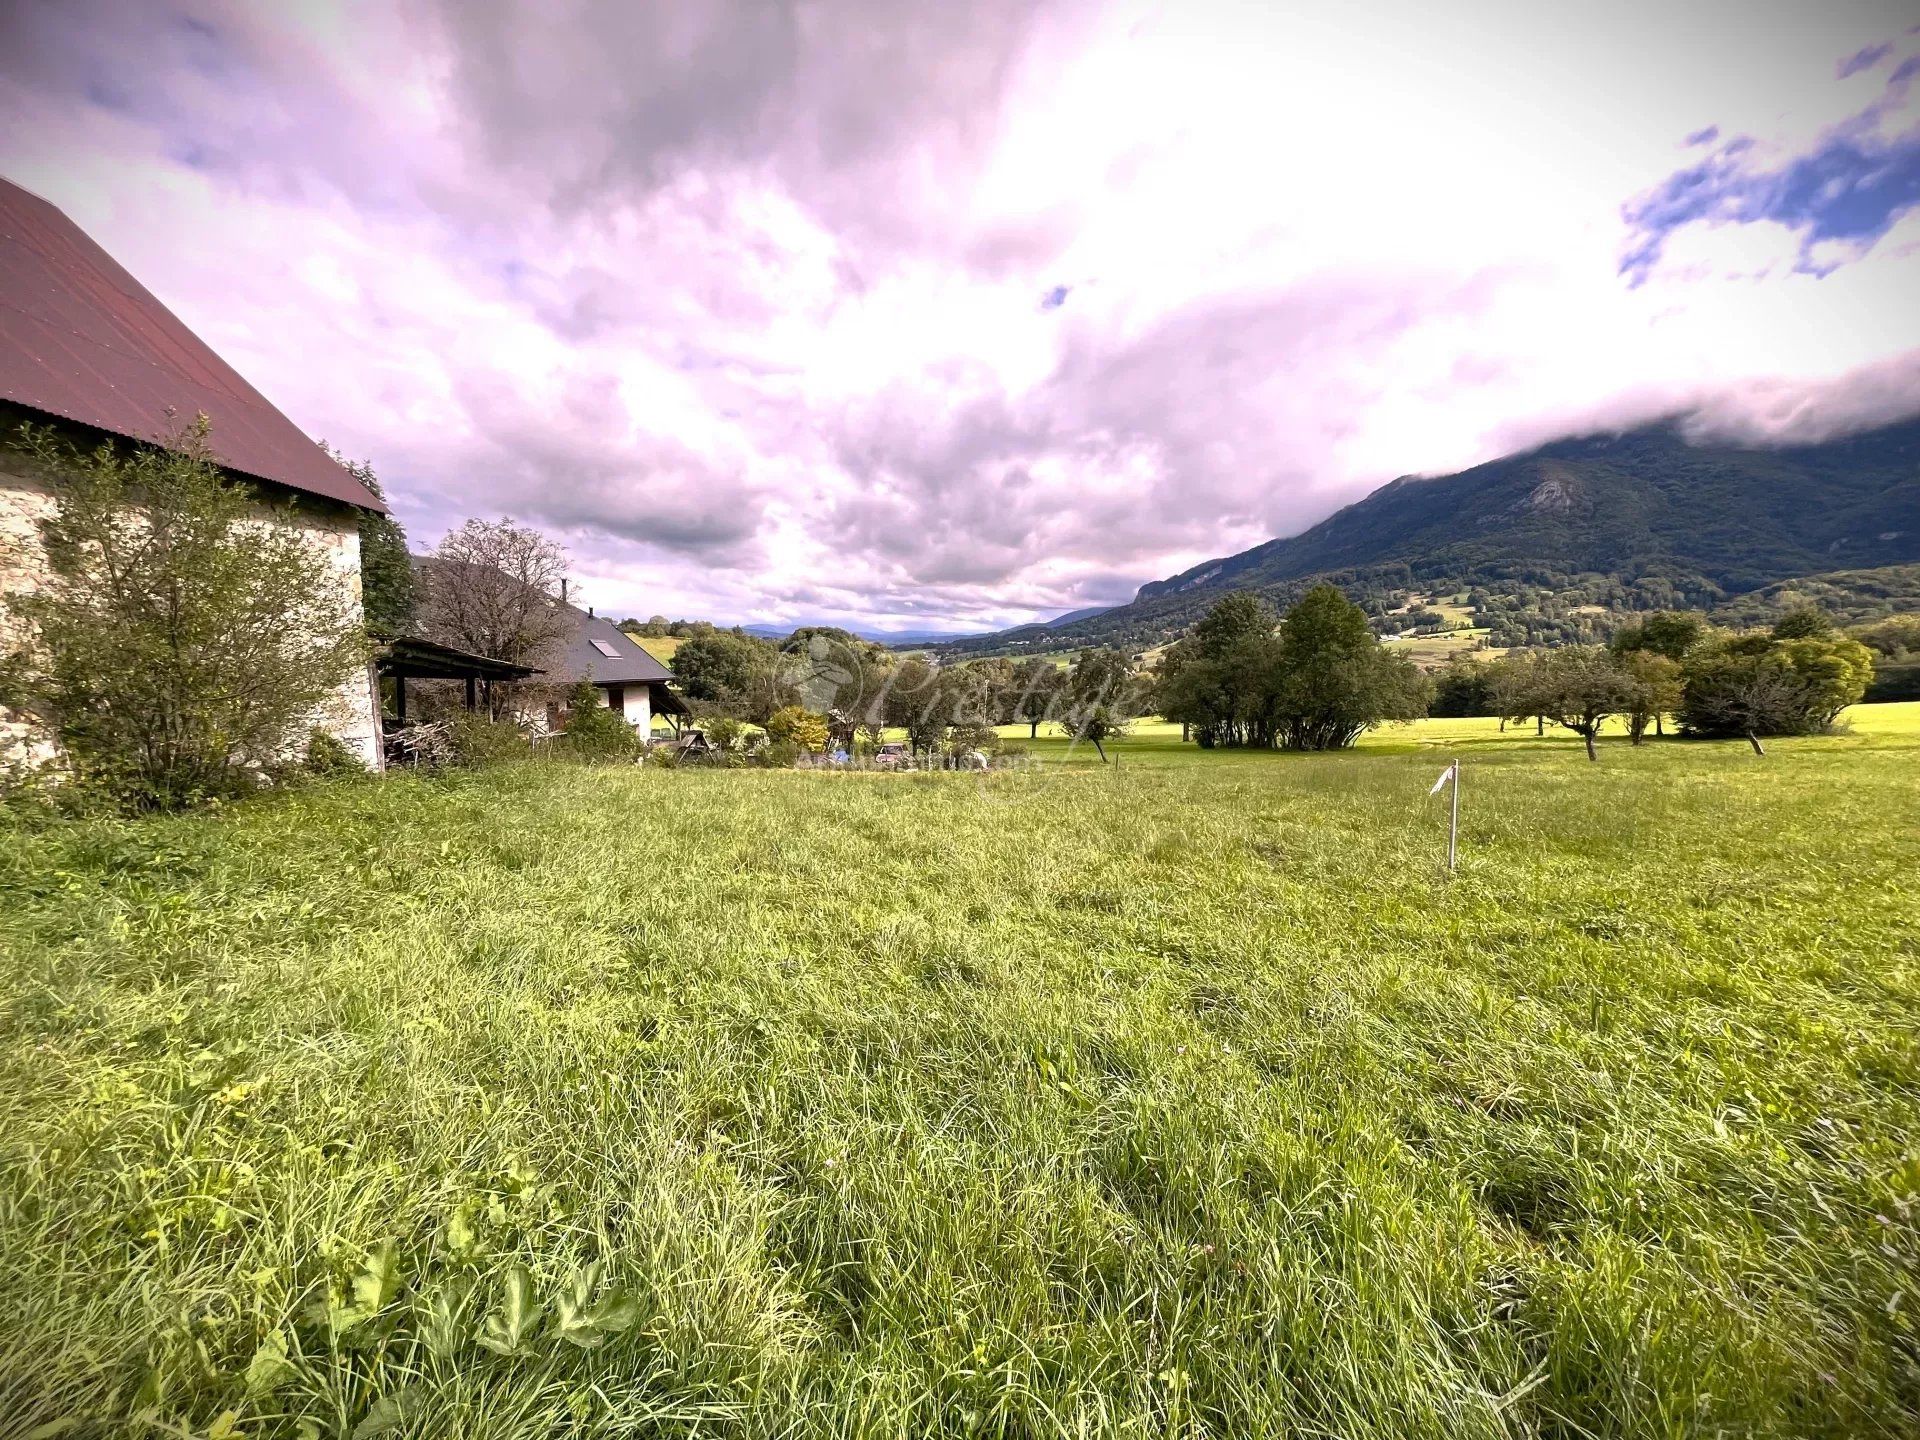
(1177, 1098)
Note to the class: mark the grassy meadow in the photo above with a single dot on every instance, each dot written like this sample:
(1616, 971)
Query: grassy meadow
(1181, 1097)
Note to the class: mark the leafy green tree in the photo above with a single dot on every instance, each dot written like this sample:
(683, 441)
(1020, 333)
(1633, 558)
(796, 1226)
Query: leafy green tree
(1514, 680)
(918, 702)
(860, 699)
(1763, 685)
(1096, 724)
(1335, 679)
(386, 569)
(179, 644)
(1581, 687)
(1803, 622)
(1040, 688)
(966, 737)
(730, 672)
(1098, 696)
(1463, 687)
(1657, 688)
(1665, 632)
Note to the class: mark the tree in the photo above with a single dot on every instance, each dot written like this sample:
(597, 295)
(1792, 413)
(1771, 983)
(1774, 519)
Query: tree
(977, 692)
(1656, 689)
(1803, 622)
(387, 589)
(1665, 635)
(917, 702)
(966, 737)
(1581, 687)
(1665, 632)
(1761, 685)
(1098, 696)
(802, 728)
(728, 672)
(491, 587)
(1335, 680)
(1463, 687)
(1039, 689)
(1512, 680)
(860, 701)
(1095, 724)
(1221, 681)
(179, 644)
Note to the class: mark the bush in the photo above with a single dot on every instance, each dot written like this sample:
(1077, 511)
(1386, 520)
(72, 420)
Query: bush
(594, 732)
(328, 758)
(725, 733)
(177, 648)
(779, 755)
(805, 729)
(477, 740)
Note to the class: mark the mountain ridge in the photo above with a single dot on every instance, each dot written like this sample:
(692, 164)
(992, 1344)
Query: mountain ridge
(1662, 517)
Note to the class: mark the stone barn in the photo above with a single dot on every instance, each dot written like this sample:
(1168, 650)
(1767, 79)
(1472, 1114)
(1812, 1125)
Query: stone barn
(88, 351)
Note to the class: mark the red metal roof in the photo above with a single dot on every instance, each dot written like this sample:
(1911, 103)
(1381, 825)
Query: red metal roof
(80, 338)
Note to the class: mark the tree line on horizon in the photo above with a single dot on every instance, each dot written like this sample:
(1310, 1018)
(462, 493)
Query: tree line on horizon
(1318, 677)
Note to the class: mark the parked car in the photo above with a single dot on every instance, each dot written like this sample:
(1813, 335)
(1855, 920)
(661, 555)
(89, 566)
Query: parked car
(891, 756)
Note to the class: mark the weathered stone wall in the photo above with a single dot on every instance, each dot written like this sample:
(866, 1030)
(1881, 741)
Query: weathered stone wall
(26, 498)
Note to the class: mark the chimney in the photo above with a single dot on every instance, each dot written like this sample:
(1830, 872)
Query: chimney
(563, 589)
(589, 612)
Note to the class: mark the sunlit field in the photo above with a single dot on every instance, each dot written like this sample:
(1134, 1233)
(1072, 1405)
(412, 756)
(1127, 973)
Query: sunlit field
(1183, 1095)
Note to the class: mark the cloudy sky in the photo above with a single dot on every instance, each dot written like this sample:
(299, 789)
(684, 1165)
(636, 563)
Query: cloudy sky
(955, 315)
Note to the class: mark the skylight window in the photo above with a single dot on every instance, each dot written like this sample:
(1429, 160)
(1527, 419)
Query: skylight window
(604, 648)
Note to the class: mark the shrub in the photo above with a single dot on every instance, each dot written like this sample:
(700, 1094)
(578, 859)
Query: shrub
(779, 754)
(594, 732)
(725, 733)
(328, 758)
(179, 645)
(476, 740)
(805, 729)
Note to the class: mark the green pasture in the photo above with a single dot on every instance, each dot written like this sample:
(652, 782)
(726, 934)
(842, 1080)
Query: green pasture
(1177, 1097)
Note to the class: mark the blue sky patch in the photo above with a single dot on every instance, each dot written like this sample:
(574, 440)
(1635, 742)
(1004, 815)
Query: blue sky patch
(1852, 186)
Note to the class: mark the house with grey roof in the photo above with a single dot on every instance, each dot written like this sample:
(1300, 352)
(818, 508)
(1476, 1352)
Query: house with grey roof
(631, 681)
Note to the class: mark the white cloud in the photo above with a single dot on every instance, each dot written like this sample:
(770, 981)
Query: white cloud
(745, 303)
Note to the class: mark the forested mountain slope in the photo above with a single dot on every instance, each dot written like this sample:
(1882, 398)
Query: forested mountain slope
(1628, 520)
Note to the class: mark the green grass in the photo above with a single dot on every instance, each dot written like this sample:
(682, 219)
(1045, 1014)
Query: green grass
(1178, 1097)
(661, 647)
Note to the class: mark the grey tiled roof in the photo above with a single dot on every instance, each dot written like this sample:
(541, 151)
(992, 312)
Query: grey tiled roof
(580, 658)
